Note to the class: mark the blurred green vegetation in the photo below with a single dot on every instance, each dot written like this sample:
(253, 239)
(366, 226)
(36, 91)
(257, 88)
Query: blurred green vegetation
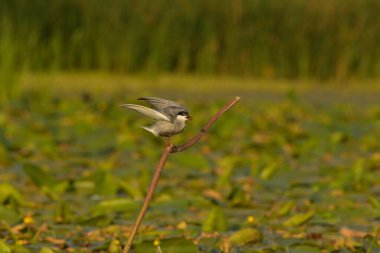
(280, 174)
(317, 39)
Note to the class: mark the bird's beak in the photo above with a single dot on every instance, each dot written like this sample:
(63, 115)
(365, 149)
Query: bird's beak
(188, 117)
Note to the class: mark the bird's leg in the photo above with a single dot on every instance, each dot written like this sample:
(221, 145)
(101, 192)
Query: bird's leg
(167, 141)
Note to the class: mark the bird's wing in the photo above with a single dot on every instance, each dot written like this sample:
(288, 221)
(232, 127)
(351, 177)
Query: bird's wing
(148, 112)
(160, 103)
(167, 107)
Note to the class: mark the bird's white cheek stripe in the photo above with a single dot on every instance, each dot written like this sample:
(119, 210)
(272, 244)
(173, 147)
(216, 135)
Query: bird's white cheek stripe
(182, 118)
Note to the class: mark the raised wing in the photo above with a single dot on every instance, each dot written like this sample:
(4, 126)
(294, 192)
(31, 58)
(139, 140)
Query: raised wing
(167, 107)
(148, 112)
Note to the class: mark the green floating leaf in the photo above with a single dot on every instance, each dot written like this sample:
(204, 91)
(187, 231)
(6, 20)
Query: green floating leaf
(358, 172)
(95, 220)
(55, 190)
(374, 202)
(215, 221)
(239, 197)
(371, 243)
(19, 249)
(339, 137)
(39, 176)
(63, 213)
(48, 184)
(10, 216)
(60, 187)
(114, 247)
(299, 219)
(84, 187)
(4, 248)
(46, 250)
(246, 236)
(227, 166)
(7, 191)
(116, 205)
(305, 249)
(268, 171)
(174, 245)
(4, 157)
(285, 208)
(132, 189)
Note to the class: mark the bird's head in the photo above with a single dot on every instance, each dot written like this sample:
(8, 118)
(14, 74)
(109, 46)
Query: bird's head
(183, 116)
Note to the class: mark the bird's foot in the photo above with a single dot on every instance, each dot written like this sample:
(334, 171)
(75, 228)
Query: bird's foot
(168, 142)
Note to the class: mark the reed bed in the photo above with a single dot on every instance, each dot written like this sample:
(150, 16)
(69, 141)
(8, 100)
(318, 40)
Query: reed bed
(317, 39)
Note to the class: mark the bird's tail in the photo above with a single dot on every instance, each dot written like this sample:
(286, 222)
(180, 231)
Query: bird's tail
(150, 129)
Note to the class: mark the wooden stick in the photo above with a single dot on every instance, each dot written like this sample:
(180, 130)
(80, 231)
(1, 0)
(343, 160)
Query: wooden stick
(170, 148)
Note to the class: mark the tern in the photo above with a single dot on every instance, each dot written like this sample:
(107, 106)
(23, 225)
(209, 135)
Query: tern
(171, 117)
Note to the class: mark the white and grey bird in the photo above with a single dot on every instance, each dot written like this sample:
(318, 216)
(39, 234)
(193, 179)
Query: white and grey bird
(171, 117)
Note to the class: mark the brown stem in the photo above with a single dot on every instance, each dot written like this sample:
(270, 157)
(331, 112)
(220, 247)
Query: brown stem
(172, 149)
(205, 129)
(148, 197)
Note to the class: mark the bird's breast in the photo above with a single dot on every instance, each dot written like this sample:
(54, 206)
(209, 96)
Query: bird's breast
(167, 129)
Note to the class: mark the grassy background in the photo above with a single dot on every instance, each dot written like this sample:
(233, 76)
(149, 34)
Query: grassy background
(262, 39)
(296, 163)
(300, 174)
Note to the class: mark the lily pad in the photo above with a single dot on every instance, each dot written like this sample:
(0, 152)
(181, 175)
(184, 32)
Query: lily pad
(246, 236)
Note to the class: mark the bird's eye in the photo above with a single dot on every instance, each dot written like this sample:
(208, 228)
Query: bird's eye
(182, 113)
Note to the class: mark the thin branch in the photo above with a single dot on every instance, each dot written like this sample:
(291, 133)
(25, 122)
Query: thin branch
(172, 149)
(148, 197)
(205, 129)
